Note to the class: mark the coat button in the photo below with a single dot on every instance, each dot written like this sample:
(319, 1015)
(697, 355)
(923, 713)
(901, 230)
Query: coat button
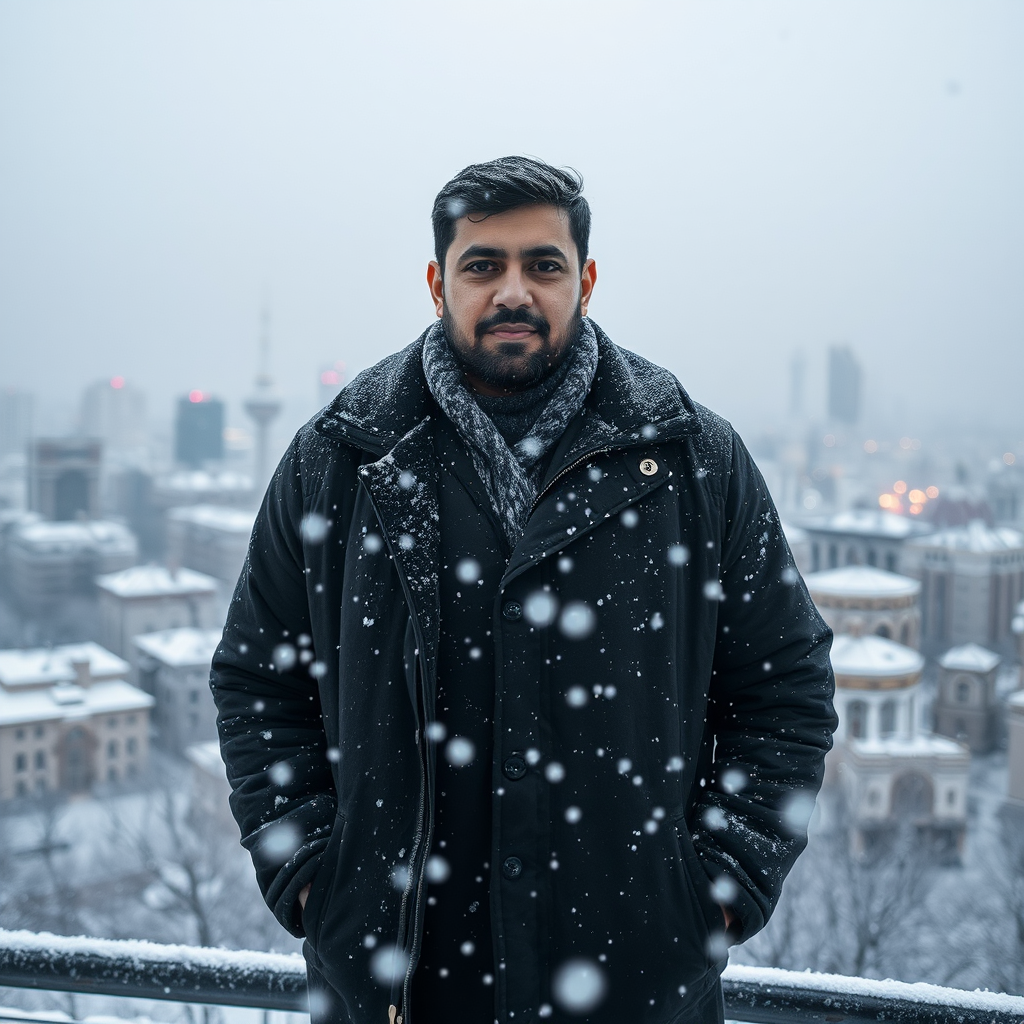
(514, 767)
(648, 467)
(513, 611)
(512, 867)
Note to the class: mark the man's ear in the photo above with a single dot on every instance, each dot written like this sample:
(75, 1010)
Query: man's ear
(587, 282)
(435, 282)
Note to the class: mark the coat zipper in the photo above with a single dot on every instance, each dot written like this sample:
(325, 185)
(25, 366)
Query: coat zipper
(414, 882)
(568, 469)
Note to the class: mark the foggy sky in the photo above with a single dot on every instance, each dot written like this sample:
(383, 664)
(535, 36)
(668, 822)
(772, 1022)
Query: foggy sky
(764, 177)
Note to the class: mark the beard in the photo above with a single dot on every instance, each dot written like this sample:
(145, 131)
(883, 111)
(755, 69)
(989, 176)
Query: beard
(508, 366)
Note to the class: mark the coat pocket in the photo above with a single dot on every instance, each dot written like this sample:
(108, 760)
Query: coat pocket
(699, 882)
(313, 911)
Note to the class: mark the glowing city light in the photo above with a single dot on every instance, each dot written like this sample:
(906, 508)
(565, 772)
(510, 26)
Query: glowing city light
(917, 498)
(195, 395)
(905, 443)
(932, 492)
(1009, 458)
(829, 440)
(117, 383)
(915, 510)
(871, 447)
(900, 487)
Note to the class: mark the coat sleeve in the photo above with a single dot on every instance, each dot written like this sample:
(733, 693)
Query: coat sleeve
(269, 714)
(770, 707)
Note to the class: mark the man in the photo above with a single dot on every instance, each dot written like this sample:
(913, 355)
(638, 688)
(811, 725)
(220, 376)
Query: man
(520, 693)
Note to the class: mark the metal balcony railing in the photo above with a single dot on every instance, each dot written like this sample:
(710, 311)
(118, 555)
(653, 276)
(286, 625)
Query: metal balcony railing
(189, 974)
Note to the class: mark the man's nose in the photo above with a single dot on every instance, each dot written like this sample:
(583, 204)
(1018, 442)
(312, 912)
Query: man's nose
(513, 290)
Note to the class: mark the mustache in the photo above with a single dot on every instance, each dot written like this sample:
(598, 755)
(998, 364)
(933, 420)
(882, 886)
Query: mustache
(514, 316)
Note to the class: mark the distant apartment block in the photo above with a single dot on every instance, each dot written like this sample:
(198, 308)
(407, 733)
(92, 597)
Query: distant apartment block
(64, 477)
(114, 411)
(69, 719)
(174, 666)
(50, 561)
(199, 430)
(844, 385)
(210, 538)
(149, 598)
(861, 537)
(967, 706)
(972, 578)
(16, 411)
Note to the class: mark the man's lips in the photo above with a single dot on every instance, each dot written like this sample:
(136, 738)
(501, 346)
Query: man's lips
(512, 332)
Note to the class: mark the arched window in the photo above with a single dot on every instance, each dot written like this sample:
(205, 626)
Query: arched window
(912, 796)
(962, 690)
(857, 722)
(883, 630)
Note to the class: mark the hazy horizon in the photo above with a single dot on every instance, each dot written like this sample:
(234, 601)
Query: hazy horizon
(763, 179)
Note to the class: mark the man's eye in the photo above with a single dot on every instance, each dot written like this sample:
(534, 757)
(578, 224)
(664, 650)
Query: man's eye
(547, 266)
(480, 266)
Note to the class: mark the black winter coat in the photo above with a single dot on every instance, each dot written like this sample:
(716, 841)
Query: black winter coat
(661, 701)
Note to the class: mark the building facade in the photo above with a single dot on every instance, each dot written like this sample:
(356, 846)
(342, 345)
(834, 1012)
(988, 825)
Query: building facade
(890, 772)
(859, 600)
(210, 538)
(861, 537)
(149, 598)
(967, 706)
(174, 666)
(69, 719)
(972, 578)
(50, 561)
(64, 478)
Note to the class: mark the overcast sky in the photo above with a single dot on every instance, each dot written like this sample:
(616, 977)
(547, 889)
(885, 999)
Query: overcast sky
(764, 177)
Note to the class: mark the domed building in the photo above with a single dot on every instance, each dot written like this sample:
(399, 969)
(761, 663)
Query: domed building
(861, 600)
(890, 772)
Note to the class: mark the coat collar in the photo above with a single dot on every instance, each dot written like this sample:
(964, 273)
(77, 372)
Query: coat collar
(631, 400)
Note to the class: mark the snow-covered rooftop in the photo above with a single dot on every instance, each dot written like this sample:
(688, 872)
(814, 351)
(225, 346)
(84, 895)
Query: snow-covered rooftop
(66, 700)
(861, 581)
(94, 535)
(1016, 701)
(215, 517)
(873, 656)
(921, 745)
(200, 480)
(206, 757)
(870, 522)
(156, 581)
(34, 667)
(978, 537)
(794, 534)
(180, 647)
(970, 658)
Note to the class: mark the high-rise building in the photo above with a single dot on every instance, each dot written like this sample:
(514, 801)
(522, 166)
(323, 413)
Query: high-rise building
(844, 385)
(263, 407)
(115, 412)
(329, 383)
(199, 430)
(16, 409)
(64, 477)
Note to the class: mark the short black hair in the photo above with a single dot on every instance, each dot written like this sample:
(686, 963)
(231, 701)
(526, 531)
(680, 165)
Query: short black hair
(506, 184)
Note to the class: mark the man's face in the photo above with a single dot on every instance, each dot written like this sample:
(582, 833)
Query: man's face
(512, 296)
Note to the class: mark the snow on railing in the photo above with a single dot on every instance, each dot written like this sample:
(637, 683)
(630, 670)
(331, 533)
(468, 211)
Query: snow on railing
(149, 970)
(190, 974)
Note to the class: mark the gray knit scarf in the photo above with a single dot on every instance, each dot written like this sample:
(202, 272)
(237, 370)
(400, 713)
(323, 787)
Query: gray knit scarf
(510, 475)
